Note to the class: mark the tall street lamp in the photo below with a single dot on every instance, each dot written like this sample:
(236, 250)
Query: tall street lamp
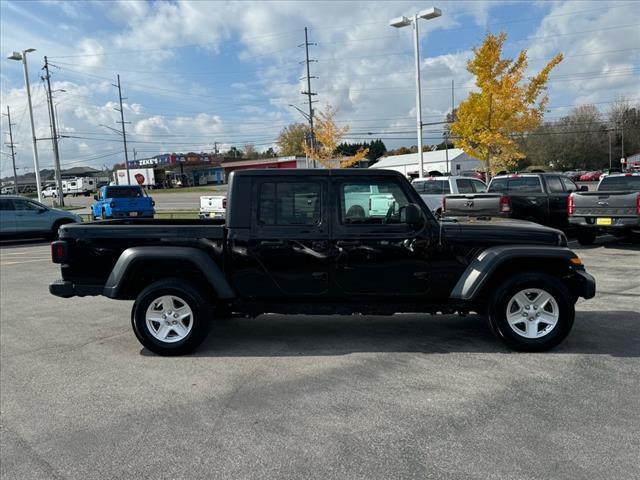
(36, 165)
(400, 22)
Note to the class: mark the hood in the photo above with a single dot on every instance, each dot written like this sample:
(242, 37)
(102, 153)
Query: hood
(501, 231)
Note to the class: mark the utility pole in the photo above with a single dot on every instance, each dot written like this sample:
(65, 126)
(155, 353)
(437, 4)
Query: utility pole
(54, 135)
(446, 133)
(609, 135)
(309, 93)
(11, 145)
(124, 133)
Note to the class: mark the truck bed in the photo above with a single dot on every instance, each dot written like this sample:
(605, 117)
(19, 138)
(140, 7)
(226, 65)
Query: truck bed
(472, 205)
(146, 228)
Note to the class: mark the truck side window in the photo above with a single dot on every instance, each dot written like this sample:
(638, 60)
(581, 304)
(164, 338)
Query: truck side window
(569, 185)
(290, 203)
(478, 186)
(464, 185)
(358, 205)
(555, 185)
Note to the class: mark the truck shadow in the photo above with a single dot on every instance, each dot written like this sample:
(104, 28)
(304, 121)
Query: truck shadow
(608, 333)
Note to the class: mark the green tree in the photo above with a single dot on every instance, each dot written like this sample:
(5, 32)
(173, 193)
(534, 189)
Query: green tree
(505, 105)
(292, 138)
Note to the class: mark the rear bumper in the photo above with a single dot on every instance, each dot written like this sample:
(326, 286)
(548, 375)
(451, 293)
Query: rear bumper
(66, 289)
(617, 223)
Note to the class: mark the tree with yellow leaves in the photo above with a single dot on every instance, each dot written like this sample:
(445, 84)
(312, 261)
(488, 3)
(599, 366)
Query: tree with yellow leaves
(327, 138)
(487, 121)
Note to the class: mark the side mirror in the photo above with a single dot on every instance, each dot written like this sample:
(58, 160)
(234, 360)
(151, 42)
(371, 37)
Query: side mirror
(411, 215)
(584, 188)
(95, 197)
(42, 210)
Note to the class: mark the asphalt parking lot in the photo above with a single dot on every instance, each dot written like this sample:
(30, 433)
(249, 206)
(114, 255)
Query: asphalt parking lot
(324, 397)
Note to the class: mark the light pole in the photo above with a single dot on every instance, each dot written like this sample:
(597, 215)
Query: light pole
(36, 165)
(400, 22)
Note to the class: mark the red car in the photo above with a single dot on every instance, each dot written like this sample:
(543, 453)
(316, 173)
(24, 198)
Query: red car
(590, 177)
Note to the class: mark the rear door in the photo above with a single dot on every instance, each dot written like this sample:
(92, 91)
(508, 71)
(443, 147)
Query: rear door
(7, 216)
(288, 250)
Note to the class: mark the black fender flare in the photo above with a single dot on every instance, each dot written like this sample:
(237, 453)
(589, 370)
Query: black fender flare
(194, 256)
(479, 271)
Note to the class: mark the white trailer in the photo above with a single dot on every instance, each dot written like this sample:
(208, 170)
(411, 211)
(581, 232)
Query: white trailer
(79, 186)
(145, 177)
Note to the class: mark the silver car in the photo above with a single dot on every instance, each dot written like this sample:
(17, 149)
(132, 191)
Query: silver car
(23, 217)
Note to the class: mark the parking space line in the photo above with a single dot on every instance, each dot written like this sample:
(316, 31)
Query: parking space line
(4, 264)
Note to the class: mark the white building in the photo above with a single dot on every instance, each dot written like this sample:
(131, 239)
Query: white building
(433, 162)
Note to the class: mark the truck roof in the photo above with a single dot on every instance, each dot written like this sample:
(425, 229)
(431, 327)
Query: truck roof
(269, 172)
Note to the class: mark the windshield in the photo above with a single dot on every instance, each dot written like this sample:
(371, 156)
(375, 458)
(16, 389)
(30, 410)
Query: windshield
(622, 182)
(124, 192)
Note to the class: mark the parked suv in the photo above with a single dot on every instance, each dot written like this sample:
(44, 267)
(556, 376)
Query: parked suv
(22, 217)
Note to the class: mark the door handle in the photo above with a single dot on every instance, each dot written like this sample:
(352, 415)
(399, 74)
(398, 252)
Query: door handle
(347, 243)
(272, 243)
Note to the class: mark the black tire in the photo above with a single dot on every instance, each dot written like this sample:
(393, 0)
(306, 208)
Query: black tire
(104, 214)
(586, 237)
(498, 304)
(189, 294)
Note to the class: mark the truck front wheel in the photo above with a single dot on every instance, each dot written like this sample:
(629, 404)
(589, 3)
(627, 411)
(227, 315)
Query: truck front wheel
(171, 317)
(531, 312)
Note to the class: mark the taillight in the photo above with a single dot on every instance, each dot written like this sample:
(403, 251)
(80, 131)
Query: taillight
(505, 204)
(224, 203)
(58, 251)
(638, 205)
(570, 205)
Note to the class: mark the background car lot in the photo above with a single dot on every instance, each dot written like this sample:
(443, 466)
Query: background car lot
(329, 397)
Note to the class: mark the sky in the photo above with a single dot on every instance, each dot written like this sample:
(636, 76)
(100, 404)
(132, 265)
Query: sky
(197, 72)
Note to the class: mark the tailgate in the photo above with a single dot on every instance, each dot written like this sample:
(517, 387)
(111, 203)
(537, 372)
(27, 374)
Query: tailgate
(472, 205)
(610, 204)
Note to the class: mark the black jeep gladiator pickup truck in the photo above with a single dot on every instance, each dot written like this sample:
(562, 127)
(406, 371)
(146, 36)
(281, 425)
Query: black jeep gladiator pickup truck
(328, 242)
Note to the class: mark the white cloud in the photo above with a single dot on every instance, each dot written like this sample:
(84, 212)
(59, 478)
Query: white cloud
(365, 67)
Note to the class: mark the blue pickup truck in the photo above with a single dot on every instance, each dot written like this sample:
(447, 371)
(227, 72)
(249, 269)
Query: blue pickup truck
(122, 201)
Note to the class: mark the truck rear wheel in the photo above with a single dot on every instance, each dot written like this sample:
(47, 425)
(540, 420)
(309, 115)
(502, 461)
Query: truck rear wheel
(586, 237)
(171, 317)
(531, 312)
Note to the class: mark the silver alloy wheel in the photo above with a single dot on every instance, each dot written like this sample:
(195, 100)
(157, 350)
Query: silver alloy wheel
(532, 313)
(169, 318)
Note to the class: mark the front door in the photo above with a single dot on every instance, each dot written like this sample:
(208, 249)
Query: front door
(28, 216)
(287, 253)
(376, 254)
